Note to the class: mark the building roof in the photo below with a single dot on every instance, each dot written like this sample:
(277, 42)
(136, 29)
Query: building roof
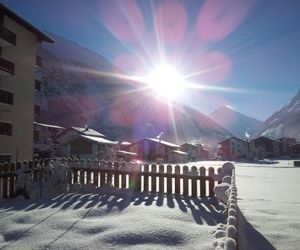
(170, 144)
(265, 138)
(122, 152)
(99, 140)
(178, 152)
(88, 131)
(189, 144)
(233, 137)
(42, 36)
(125, 143)
(47, 125)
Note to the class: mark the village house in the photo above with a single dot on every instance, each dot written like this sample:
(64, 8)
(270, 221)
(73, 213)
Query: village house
(192, 150)
(45, 140)
(157, 150)
(263, 147)
(18, 63)
(85, 143)
(295, 150)
(286, 143)
(233, 148)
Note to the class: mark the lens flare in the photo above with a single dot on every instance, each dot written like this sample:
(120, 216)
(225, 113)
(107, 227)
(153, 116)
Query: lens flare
(166, 81)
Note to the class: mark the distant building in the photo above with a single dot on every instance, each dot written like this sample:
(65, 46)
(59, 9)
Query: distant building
(177, 156)
(45, 139)
(85, 143)
(18, 63)
(192, 150)
(286, 144)
(233, 148)
(295, 150)
(263, 147)
(152, 149)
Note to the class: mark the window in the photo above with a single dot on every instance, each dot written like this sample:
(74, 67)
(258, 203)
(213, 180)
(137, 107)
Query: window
(6, 128)
(6, 97)
(5, 158)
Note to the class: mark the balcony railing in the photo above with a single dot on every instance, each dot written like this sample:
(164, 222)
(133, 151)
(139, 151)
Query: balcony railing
(6, 67)
(37, 110)
(7, 38)
(38, 61)
(38, 85)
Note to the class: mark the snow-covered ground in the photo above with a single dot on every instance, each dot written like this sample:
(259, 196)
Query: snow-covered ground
(267, 196)
(109, 220)
(270, 202)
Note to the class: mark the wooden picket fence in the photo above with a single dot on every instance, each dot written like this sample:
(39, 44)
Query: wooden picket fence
(170, 179)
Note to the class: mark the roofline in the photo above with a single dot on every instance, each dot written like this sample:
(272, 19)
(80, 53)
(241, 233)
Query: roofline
(277, 140)
(233, 137)
(42, 36)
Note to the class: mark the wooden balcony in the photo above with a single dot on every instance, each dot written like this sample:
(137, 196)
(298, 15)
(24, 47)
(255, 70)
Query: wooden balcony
(38, 61)
(6, 67)
(7, 38)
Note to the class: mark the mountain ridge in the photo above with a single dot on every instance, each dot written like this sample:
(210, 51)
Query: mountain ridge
(238, 124)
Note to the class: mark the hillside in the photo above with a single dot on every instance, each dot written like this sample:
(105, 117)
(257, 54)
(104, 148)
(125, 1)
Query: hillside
(238, 124)
(285, 122)
(75, 92)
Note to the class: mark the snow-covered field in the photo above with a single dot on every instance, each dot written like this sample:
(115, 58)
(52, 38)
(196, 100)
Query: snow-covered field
(109, 220)
(267, 196)
(269, 200)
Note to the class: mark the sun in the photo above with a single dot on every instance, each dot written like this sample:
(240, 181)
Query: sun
(166, 81)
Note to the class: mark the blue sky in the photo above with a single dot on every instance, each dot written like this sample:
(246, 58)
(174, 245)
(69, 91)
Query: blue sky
(255, 42)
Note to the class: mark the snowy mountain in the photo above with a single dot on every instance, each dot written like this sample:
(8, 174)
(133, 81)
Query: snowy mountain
(238, 124)
(285, 122)
(75, 92)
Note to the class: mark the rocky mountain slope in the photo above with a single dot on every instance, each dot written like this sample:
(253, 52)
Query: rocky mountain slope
(238, 124)
(285, 122)
(78, 89)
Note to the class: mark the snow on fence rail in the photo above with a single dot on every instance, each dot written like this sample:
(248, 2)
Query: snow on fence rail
(148, 177)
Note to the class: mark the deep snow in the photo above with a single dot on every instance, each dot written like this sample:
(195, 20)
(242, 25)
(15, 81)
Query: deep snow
(109, 220)
(269, 199)
(267, 196)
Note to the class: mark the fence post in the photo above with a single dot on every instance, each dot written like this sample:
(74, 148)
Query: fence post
(12, 180)
(211, 172)
(194, 173)
(169, 179)
(153, 178)
(109, 172)
(123, 175)
(219, 174)
(96, 173)
(185, 180)
(161, 179)
(102, 173)
(116, 174)
(202, 182)
(146, 178)
(135, 180)
(5, 181)
(88, 171)
(177, 179)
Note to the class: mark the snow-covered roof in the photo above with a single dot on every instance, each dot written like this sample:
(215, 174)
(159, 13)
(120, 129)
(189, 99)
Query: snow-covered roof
(125, 143)
(88, 132)
(98, 139)
(179, 152)
(126, 152)
(47, 125)
(170, 144)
